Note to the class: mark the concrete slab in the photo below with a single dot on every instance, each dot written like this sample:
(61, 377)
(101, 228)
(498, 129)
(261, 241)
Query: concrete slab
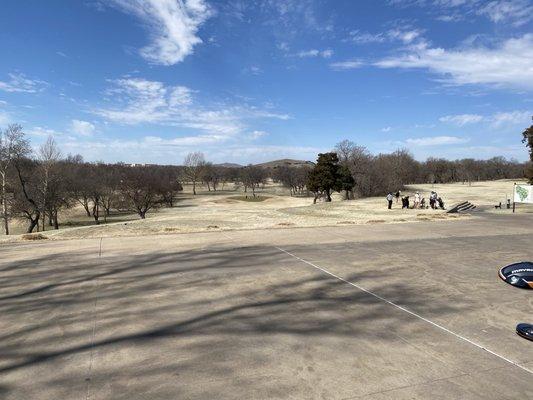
(230, 316)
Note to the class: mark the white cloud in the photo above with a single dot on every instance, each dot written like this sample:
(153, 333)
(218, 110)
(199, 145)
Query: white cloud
(510, 118)
(346, 65)
(326, 53)
(154, 149)
(257, 134)
(5, 118)
(184, 141)
(142, 101)
(19, 83)
(283, 46)
(315, 53)
(450, 18)
(82, 128)
(461, 119)
(517, 12)
(397, 34)
(253, 70)
(39, 131)
(405, 36)
(173, 26)
(436, 141)
(293, 15)
(509, 64)
(386, 129)
(365, 37)
(497, 120)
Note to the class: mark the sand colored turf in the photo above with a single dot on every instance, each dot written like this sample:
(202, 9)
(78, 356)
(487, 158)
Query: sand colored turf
(226, 210)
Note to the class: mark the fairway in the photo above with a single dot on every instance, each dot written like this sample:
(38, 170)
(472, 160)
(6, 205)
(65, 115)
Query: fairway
(401, 311)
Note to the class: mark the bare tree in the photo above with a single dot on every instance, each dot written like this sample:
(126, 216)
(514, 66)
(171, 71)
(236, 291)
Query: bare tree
(49, 155)
(13, 145)
(293, 178)
(194, 166)
(79, 181)
(359, 161)
(58, 193)
(168, 184)
(252, 177)
(140, 188)
(211, 176)
(26, 200)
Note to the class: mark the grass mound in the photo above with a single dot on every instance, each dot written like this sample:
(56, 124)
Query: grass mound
(33, 236)
(249, 198)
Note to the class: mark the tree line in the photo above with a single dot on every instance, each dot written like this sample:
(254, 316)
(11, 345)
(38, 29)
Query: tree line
(353, 170)
(37, 185)
(379, 174)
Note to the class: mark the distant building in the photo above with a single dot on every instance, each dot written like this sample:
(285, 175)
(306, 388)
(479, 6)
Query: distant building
(141, 165)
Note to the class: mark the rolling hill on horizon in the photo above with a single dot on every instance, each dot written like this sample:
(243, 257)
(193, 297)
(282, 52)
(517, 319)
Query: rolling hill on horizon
(288, 162)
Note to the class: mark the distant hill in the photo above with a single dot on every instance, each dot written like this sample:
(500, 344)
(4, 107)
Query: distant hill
(228, 165)
(287, 162)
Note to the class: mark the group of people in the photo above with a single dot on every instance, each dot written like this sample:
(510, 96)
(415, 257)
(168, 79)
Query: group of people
(435, 201)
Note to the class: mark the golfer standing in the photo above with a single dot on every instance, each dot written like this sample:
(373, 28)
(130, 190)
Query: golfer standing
(390, 197)
(417, 200)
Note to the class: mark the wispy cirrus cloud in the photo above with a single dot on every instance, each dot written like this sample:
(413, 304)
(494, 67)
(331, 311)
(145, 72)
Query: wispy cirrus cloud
(517, 12)
(20, 83)
(143, 101)
(461, 119)
(257, 134)
(82, 128)
(42, 132)
(514, 12)
(496, 120)
(404, 35)
(327, 53)
(507, 64)
(437, 140)
(172, 25)
(5, 118)
(511, 118)
(346, 65)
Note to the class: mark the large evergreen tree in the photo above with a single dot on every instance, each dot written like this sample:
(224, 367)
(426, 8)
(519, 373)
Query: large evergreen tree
(328, 176)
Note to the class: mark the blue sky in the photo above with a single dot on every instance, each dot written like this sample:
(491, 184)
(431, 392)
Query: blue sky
(250, 81)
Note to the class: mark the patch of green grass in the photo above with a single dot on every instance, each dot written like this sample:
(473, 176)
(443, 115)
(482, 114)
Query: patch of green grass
(250, 198)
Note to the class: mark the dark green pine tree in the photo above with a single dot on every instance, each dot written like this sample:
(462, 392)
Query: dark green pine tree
(328, 176)
(346, 181)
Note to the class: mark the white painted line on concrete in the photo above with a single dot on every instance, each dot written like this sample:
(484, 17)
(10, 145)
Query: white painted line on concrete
(409, 312)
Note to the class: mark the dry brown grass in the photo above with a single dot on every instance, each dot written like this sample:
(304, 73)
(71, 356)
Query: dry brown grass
(33, 236)
(220, 210)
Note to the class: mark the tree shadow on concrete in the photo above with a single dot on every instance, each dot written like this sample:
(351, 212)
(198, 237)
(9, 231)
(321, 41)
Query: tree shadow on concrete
(200, 306)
